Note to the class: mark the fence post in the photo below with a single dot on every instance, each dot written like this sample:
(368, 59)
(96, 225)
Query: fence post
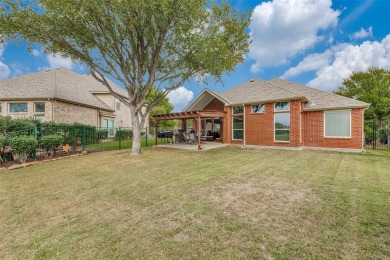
(146, 135)
(84, 141)
(120, 138)
(36, 140)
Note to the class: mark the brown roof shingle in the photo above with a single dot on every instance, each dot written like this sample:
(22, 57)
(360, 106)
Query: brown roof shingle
(61, 84)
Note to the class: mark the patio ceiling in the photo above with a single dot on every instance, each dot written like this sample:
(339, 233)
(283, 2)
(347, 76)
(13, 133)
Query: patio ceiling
(190, 115)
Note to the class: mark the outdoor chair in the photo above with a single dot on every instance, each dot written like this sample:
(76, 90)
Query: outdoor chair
(192, 139)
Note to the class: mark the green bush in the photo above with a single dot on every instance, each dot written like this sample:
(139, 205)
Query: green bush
(101, 134)
(384, 136)
(123, 134)
(23, 146)
(51, 142)
(2, 141)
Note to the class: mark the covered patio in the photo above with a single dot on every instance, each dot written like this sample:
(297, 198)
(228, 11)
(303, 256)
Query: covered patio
(198, 116)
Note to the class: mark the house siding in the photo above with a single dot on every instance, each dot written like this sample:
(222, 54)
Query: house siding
(306, 128)
(71, 113)
(215, 105)
(313, 131)
(30, 109)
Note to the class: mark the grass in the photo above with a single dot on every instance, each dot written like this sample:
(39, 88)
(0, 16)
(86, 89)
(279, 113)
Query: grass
(223, 203)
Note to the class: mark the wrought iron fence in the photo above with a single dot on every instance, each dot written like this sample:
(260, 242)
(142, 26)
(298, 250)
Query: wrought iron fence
(377, 135)
(52, 141)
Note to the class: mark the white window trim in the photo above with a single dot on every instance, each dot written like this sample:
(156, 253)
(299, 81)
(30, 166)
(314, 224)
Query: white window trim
(289, 130)
(350, 124)
(16, 113)
(281, 111)
(261, 112)
(237, 115)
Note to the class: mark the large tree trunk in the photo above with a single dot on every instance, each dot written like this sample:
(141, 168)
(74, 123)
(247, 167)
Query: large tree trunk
(138, 123)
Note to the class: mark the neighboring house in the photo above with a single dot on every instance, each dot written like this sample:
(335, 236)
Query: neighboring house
(277, 113)
(61, 95)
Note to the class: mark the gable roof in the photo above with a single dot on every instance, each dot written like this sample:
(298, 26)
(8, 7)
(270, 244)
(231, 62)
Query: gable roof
(60, 84)
(260, 91)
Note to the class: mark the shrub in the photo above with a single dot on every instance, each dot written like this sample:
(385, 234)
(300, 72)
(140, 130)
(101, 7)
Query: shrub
(2, 141)
(384, 136)
(101, 134)
(50, 143)
(124, 134)
(23, 146)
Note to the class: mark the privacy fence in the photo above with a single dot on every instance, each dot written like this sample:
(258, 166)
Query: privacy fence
(377, 135)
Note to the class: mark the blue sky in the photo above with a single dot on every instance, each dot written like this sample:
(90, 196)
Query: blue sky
(312, 42)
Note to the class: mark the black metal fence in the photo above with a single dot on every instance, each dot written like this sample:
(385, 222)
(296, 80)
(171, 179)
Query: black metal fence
(377, 135)
(46, 142)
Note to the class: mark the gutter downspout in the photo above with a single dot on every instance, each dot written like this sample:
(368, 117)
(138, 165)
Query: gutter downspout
(243, 126)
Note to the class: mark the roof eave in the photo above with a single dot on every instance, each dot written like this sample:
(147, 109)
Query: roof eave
(321, 108)
(226, 103)
(268, 101)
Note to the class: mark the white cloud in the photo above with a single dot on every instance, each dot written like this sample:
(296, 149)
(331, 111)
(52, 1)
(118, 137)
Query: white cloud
(57, 61)
(309, 63)
(341, 61)
(35, 52)
(180, 98)
(283, 28)
(362, 33)
(5, 72)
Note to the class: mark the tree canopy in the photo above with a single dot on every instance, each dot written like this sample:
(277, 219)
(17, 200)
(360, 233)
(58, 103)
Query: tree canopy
(372, 86)
(141, 44)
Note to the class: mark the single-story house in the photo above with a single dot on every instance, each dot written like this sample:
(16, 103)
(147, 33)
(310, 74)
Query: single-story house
(276, 113)
(61, 95)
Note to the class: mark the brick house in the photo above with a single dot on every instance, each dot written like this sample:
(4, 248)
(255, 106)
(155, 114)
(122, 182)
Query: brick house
(61, 95)
(277, 113)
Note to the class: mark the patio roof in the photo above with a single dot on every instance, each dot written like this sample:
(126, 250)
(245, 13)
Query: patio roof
(190, 114)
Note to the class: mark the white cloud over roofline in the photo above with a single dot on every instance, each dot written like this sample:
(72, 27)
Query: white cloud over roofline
(282, 29)
(57, 61)
(180, 98)
(5, 72)
(339, 62)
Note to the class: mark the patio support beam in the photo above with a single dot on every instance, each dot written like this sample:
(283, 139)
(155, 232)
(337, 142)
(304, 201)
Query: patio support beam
(198, 121)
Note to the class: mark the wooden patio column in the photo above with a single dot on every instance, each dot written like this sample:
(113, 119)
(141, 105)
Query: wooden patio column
(198, 119)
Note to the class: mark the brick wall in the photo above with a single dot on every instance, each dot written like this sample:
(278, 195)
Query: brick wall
(30, 109)
(313, 131)
(70, 113)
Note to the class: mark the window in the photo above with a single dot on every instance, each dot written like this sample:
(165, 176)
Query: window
(17, 107)
(282, 122)
(118, 104)
(282, 127)
(39, 107)
(282, 106)
(1, 108)
(238, 110)
(260, 108)
(337, 123)
(108, 124)
(238, 127)
(40, 117)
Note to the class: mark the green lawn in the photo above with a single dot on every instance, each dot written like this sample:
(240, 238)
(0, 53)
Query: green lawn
(175, 204)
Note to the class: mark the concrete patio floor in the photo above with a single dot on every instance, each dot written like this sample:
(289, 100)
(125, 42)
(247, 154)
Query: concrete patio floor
(194, 147)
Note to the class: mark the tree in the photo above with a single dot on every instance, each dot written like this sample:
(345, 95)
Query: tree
(163, 107)
(141, 44)
(372, 87)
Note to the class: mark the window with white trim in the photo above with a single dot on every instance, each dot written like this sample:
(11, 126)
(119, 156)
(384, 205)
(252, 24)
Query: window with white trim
(259, 108)
(282, 122)
(39, 107)
(238, 123)
(337, 123)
